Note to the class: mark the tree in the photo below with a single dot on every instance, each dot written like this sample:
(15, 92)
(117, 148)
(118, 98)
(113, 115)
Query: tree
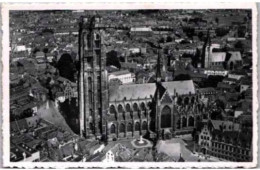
(169, 39)
(216, 115)
(161, 40)
(190, 31)
(213, 81)
(182, 77)
(45, 50)
(239, 45)
(220, 104)
(217, 20)
(200, 36)
(35, 50)
(66, 67)
(112, 59)
(221, 32)
(241, 31)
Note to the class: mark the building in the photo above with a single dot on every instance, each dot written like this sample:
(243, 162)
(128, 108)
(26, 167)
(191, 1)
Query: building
(160, 109)
(215, 60)
(225, 140)
(124, 76)
(141, 31)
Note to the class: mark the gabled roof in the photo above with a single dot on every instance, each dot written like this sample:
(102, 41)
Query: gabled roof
(133, 91)
(225, 125)
(121, 72)
(181, 87)
(142, 91)
(235, 56)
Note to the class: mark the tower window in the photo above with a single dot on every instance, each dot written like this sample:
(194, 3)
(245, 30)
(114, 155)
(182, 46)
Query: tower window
(97, 37)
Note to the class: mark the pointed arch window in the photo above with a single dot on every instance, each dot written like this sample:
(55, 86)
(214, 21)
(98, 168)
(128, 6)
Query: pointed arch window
(166, 117)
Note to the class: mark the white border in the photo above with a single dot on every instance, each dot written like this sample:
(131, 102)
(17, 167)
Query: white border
(110, 6)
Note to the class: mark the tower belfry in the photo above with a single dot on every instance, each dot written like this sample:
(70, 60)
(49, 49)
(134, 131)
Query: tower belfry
(93, 87)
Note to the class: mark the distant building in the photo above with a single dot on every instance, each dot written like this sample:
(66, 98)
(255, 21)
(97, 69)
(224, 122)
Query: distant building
(141, 31)
(124, 76)
(24, 153)
(227, 60)
(225, 140)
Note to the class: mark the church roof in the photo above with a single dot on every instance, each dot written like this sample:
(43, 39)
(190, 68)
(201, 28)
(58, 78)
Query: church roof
(133, 91)
(181, 87)
(141, 91)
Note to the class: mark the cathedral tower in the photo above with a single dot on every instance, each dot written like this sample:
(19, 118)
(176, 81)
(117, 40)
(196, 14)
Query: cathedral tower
(93, 86)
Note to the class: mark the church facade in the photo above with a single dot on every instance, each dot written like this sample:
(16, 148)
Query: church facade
(160, 109)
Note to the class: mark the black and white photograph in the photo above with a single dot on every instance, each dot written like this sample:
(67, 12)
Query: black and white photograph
(146, 85)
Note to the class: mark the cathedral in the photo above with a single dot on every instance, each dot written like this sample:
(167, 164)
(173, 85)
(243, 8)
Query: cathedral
(160, 110)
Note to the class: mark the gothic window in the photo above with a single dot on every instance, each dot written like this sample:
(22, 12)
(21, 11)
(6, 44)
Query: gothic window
(166, 117)
(142, 106)
(137, 126)
(113, 129)
(191, 121)
(184, 122)
(198, 118)
(149, 105)
(98, 95)
(122, 127)
(144, 125)
(192, 100)
(135, 107)
(98, 82)
(112, 109)
(98, 57)
(186, 101)
(90, 96)
(120, 108)
(129, 127)
(178, 124)
(97, 37)
(89, 41)
(179, 101)
(97, 44)
(91, 126)
(128, 108)
(89, 83)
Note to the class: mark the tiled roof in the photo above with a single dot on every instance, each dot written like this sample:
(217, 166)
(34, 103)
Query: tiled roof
(122, 72)
(226, 125)
(142, 91)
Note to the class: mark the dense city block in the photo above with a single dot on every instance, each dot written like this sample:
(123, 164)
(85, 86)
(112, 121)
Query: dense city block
(131, 86)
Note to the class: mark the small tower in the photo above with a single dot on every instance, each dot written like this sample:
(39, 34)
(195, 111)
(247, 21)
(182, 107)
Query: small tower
(207, 51)
(158, 68)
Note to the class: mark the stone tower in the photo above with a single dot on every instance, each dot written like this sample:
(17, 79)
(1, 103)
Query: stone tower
(207, 51)
(93, 86)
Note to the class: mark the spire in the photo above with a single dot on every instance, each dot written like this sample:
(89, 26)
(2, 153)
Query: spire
(158, 71)
(208, 40)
